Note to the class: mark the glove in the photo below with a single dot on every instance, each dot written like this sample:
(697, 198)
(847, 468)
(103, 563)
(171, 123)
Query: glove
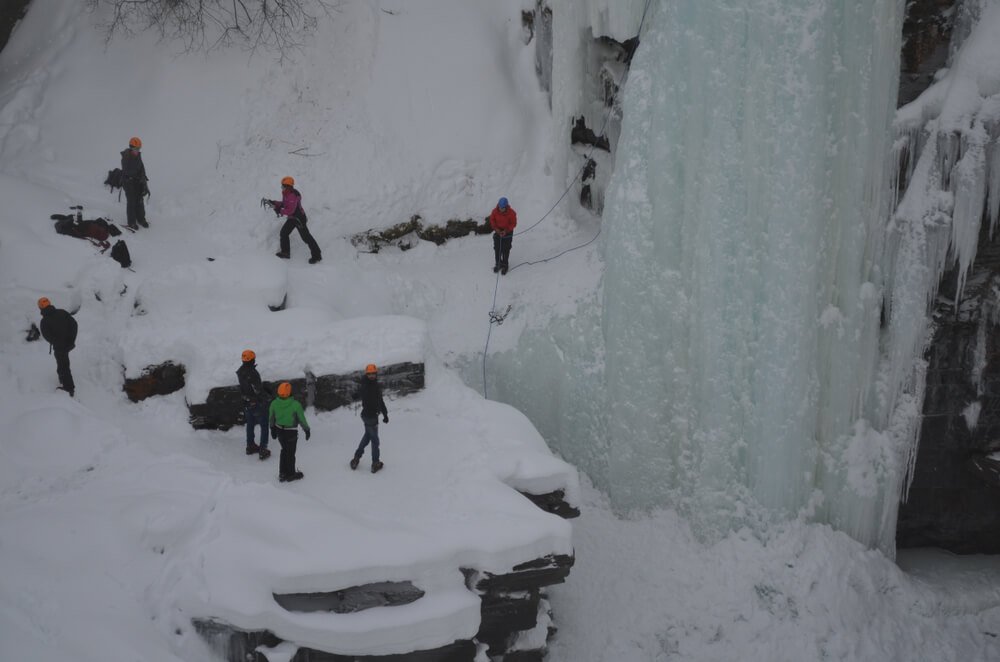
(307, 435)
(274, 432)
(385, 418)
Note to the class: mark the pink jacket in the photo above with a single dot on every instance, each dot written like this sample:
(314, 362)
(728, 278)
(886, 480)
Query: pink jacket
(290, 201)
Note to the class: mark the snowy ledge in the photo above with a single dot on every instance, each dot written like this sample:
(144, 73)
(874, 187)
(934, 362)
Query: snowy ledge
(288, 343)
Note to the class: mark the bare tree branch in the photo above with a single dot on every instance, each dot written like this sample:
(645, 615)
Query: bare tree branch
(273, 25)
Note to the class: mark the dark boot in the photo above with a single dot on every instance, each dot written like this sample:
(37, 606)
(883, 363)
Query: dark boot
(354, 463)
(252, 448)
(376, 466)
(264, 453)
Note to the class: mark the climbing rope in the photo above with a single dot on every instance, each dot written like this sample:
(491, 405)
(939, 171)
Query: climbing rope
(498, 319)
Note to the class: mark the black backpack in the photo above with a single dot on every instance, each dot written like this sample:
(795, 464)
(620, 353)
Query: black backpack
(115, 179)
(119, 253)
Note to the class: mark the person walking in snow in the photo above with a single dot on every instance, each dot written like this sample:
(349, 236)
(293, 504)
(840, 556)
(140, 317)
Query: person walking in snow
(255, 403)
(284, 416)
(134, 184)
(372, 404)
(503, 220)
(59, 328)
(290, 206)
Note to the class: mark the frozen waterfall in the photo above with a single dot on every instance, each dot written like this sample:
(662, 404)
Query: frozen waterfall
(733, 366)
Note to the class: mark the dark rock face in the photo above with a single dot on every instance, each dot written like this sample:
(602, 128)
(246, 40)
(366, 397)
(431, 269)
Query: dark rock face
(235, 645)
(926, 35)
(11, 11)
(954, 499)
(350, 600)
(224, 406)
(161, 379)
(404, 236)
(555, 503)
(581, 134)
(511, 603)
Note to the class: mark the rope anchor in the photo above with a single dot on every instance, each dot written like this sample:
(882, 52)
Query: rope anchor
(498, 318)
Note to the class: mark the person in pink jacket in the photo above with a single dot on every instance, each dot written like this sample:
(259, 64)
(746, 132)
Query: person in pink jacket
(290, 206)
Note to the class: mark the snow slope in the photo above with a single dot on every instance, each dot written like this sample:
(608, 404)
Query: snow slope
(120, 523)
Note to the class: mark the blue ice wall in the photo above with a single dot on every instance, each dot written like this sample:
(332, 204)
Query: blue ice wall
(731, 366)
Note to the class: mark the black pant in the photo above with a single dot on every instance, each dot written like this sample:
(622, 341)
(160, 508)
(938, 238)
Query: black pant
(288, 439)
(62, 367)
(501, 249)
(135, 210)
(286, 230)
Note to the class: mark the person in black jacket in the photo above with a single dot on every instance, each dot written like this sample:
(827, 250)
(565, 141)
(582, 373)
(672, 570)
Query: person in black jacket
(134, 184)
(255, 402)
(372, 404)
(59, 328)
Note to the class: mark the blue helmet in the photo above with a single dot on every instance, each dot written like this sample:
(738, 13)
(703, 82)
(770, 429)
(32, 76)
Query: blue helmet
(503, 203)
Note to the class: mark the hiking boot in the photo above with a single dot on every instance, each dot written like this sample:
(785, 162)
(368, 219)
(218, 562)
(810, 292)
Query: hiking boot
(283, 256)
(133, 226)
(252, 448)
(314, 260)
(354, 463)
(503, 270)
(496, 268)
(264, 453)
(69, 391)
(283, 478)
(142, 222)
(376, 466)
(298, 475)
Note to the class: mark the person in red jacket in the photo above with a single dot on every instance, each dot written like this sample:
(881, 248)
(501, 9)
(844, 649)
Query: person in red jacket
(503, 220)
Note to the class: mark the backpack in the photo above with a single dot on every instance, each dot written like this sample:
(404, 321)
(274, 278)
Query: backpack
(119, 253)
(115, 179)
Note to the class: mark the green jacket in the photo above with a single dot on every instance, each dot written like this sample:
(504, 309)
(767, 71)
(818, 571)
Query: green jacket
(286, 413)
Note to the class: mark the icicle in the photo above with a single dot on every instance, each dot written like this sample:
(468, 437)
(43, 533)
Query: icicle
(968, 185)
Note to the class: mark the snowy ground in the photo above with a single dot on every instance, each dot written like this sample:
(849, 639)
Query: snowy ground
(119, 522)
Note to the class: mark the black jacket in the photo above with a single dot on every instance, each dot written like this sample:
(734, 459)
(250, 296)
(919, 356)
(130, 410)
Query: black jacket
(133, 169)
(370, 394)
(58, 327)
(251, 387)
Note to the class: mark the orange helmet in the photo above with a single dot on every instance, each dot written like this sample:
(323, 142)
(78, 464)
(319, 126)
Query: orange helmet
(134, 142)
(288, 181)
(248, 355)
(44, 303)
(371, 369)
(284, 390)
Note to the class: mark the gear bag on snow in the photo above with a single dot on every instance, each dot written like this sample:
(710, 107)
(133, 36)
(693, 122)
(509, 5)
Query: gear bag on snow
(97, 229)
(119, 253)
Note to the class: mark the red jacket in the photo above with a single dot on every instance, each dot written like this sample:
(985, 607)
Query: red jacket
(503, 221)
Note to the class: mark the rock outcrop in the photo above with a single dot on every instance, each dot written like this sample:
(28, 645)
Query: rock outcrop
(161, 379)
(514, 607)
(405, 236)
(224, 406)
(952, 499)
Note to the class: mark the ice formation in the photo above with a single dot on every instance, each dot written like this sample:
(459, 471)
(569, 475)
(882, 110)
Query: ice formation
(755, 352)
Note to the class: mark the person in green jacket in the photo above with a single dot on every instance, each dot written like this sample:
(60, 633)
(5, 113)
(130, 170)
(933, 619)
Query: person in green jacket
(284, 416)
